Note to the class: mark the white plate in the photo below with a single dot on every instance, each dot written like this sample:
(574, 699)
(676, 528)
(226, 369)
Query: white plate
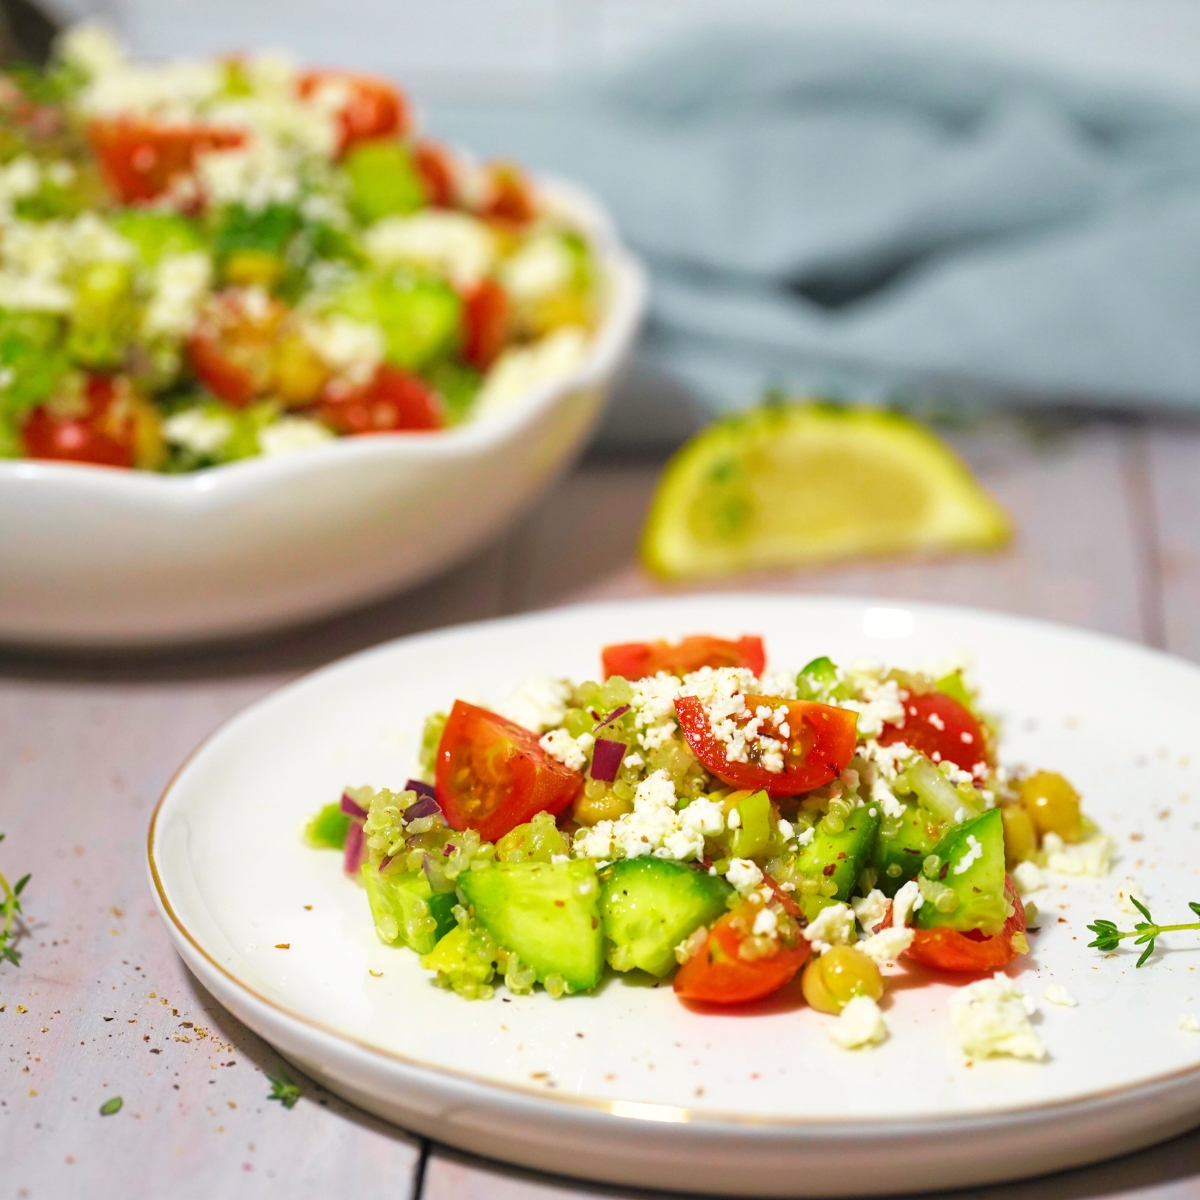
(627, 1085)
(94, 556)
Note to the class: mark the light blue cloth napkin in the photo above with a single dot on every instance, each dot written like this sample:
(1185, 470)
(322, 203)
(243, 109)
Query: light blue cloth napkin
(850, 215)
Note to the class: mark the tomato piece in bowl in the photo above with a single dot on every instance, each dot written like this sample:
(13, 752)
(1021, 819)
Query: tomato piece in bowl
(637, 660)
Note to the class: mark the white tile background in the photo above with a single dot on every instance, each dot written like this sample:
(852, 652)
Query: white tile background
(479, 49)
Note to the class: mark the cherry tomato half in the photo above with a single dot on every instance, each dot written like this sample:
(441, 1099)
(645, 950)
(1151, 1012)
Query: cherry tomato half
(637, 660)
(232, 350)
(484, 324)
(950, 950)
(367, 107)
(510, 198)
(493, 776)
(718, 973)
(141, 159)
(395, 401)
(942, 729)
(820, 743)
(103, 431)
(436, 170)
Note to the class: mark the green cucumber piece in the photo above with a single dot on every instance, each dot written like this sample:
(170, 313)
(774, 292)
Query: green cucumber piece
(650, 905)
(971, 858)
(156, 234)
(383, 180)
(547, 914)
(327, 830)
(818, 680)
(902, 846)
(838, 856)
(752, 837)
(404, 901)
(420, 318)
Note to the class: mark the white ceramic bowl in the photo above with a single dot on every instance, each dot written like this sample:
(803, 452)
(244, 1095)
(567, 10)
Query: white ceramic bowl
(94, 556)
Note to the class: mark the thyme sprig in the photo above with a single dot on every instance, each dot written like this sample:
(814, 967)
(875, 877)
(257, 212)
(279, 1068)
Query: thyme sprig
(1108, 936)
(10, 906)
(284, 1089)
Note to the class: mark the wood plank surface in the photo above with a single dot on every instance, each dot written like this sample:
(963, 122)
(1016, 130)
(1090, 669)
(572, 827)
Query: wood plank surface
(1109, 540)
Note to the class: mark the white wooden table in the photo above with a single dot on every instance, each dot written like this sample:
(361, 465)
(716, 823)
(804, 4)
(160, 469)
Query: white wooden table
(100, 1006)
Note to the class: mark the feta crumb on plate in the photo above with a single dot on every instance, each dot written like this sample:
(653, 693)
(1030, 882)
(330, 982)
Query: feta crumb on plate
(1127, 893)
(1056, 993)
(1090, 857)
(1028, 877)
(1189, 1023)
(860, 1024)
(832, 926)
(991, 1018)
(887, 945)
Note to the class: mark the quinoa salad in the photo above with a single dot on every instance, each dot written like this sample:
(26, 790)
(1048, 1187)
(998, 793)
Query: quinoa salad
(698, 818)
(204, 261)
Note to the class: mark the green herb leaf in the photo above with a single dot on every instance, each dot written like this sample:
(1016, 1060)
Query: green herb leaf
(10, 906)
(1144, 933)
(284, 1089)
(111, 1105)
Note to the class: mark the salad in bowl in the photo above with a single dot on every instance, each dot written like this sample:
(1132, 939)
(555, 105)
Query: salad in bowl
(206, 261)
(694, 817)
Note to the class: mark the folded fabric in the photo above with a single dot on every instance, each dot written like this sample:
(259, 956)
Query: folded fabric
(844, 214)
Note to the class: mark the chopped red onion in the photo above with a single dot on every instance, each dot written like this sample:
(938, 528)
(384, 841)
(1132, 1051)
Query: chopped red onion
(449, 850)
(422, 789)
(426, 806)
(606, 759)
(438, 880)
(612, 716)
(383, 862)
(356, 844)
(352, 808)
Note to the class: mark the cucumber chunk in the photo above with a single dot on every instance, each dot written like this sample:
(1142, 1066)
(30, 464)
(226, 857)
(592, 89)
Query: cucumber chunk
(971, 858)
(547, 914)
(650, 905)
(902, 846)
(839, 857)
(327, 830)
(404, 902)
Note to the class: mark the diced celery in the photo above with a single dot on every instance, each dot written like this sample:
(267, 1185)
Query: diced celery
(937, 793)
(752, 837)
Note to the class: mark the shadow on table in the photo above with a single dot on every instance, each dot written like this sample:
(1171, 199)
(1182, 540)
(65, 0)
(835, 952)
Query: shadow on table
(1170, 1171)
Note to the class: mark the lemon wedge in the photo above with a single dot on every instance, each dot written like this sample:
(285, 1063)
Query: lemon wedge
(808, 482)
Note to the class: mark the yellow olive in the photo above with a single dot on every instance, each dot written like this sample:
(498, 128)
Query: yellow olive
(1053, 804)
(1020, 834)
(299, 372)
(253, 268)
(841, 973)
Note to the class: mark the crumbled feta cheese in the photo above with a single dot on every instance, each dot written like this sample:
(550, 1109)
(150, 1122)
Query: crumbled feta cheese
(1028, 877)
(779, 683)
(522, 369)
(180, 283)
(936, 721)
(691, 945)
(991, 1018)
(1127, 893)
(906, 901)
(878, 703)
(538, 269)
(351, 349)
(560, 745)
(859, 1024)
(870, 909)
(974, 854)
(1056, 993)
(91, 47)
(258, 173)
(1189, 1023)
(654, 709)
(733, 820)
(786, 830)
(654, 827)
(832, 926)
(289, 434)
(887, 945)
(1090, 857)
(883, 795)
(766, 923)
(742, 734)
(200, 432)
(805, 836)
(744, 875)
(538, 704)
(453, 243)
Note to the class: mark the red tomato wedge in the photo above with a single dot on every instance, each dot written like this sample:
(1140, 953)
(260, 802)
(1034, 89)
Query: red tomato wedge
(950, 950)
(141, 159)
(511, 198)
(484, 324)
(719, 974)
(942, 729)
(492, 775)
(104, 432)
(367, 107)
(436, 170)
(637, 660)
(395, 401)
(232, 350)
(820, 744)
